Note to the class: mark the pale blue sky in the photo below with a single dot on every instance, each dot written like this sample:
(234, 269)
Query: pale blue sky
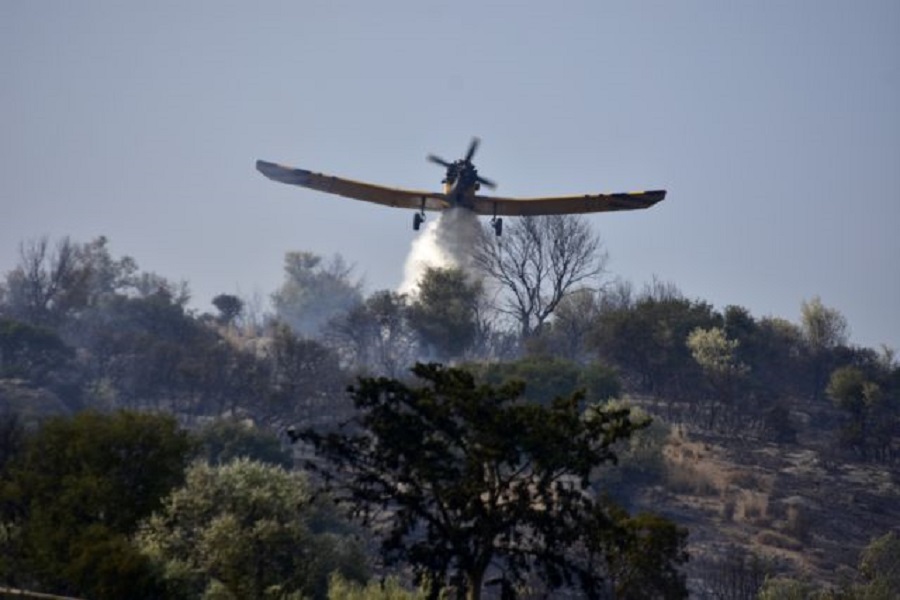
(773, 124)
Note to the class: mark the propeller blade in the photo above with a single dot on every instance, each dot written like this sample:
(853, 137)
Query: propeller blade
(486, 182)
(472, 148)
(439, 161)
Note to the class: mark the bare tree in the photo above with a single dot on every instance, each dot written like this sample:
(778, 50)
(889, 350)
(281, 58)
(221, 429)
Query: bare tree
(45, 282)
(537, 261)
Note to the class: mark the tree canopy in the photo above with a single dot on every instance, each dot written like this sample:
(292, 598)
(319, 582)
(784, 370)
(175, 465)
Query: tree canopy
(78, 489)
(247, 530)
(469, 483)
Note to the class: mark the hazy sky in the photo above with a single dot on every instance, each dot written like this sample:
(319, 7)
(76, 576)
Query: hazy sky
(775, 126)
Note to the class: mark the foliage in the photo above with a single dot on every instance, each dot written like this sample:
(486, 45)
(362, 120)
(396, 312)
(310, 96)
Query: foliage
(444, 312)
(224, 440)
(229, 306)
(879, 564)
(717, 356)
(824, 330)
(879, 569)
(305, 376)
(375, 336)
(38, 358)
(477, 481)
(871, 401)
(389, 589)
(314, 291)
(646, 339)
(547, 378)
(78, 488)
(640, 456)
(567, 335)
(248, 530)
(643, 562)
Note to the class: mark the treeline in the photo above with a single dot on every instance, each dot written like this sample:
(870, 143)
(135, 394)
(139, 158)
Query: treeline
(84, 334)
(80, 328)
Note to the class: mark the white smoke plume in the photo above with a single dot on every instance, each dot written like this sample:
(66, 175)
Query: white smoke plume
(447, 241)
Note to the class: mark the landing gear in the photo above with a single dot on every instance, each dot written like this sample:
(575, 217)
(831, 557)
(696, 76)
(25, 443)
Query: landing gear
(419, 217)
(497, 224)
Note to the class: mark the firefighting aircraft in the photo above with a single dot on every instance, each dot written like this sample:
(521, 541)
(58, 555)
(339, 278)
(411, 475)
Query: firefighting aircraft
(461, 185)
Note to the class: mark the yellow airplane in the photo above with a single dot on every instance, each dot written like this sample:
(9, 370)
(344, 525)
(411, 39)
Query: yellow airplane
(461, 185)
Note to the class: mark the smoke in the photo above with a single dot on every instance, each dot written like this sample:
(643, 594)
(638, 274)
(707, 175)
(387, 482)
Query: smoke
(446, 242)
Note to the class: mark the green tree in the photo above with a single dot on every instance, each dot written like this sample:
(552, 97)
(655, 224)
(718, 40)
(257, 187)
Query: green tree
(548, 378)
(389, 589)
(37, 357)
(444, 312)
(225, 440)
(824, 330)
(644, 564)
(879, 564)
(646, 338)
(76, 493)
(479, 484)
(717, 356)
(872, 405)
(247, 530)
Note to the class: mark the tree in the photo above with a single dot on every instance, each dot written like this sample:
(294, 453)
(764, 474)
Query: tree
(307, 379)
(548, 378)
(77, 491)
(824, 329)
(879, 564)
(645, 565)
(444, 312)
(49, 285)
(229, 307)
(45, 283)
(225, 440)
(646, 339)
(717, 356)
(568, 333)
(872, 405)
(247, 530)
(314, 291)
(537, 261)
(39, 358)
(478, 484)
(375, 337)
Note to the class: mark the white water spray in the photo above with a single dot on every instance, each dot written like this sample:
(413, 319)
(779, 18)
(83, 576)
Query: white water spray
(446, 242)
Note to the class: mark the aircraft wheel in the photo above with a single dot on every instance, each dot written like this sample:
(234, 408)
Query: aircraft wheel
(417, 221)
(498, 226)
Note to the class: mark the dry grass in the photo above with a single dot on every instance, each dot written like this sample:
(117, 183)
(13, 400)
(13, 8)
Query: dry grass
(690, 468)
(752, 507)
(778, 540)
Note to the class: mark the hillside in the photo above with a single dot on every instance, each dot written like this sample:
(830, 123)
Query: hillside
(757, 509)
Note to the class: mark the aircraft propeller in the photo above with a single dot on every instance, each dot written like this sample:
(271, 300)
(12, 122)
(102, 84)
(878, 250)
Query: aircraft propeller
(464, 163)
(439, 161)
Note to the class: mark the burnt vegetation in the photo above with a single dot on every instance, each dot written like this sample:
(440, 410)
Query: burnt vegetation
(580, 437)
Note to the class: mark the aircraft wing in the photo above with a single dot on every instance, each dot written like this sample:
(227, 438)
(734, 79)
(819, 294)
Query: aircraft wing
(353, 189)
(520, 207)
